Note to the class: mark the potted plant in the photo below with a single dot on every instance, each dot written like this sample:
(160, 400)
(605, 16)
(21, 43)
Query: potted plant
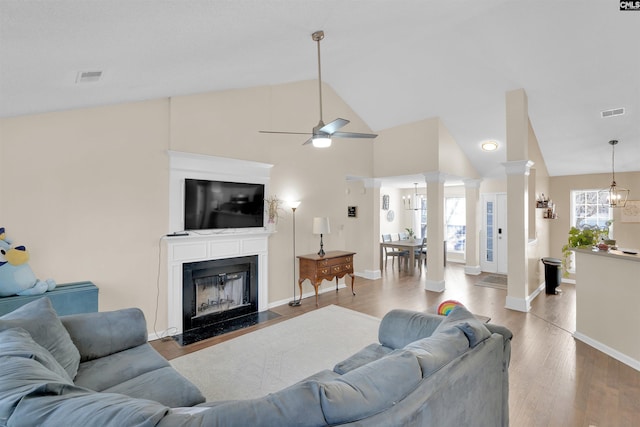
(273, 210)
(587, 237)
(410, 234)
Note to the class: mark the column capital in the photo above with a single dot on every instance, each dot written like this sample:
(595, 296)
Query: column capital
(518, 167)
(472, 183)
(434, 177)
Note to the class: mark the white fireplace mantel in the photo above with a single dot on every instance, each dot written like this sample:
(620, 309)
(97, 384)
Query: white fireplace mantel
(194, 248)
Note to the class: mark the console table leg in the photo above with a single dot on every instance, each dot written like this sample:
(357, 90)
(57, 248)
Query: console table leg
(300, 286)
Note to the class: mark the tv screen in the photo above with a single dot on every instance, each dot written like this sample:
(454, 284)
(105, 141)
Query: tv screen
(220, 204)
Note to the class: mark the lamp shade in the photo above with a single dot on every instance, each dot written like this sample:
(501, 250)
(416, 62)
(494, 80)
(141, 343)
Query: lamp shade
(321, 225)
(293, 204)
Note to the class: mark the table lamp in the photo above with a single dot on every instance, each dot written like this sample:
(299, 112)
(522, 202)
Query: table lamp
(321, 226)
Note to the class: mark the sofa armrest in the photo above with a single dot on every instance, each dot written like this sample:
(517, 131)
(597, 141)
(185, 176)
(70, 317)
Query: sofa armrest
(401, 327)
(101, 334)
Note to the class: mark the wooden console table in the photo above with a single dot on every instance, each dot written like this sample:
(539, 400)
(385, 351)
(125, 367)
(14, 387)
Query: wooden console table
(333, 264)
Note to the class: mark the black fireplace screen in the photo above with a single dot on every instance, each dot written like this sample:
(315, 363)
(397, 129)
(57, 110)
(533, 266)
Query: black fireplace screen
(218, 290)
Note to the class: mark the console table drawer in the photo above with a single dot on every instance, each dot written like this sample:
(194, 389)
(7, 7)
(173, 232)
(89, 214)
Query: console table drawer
(347, 268)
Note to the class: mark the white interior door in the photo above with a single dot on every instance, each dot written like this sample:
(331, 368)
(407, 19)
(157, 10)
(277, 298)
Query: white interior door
(493, 237)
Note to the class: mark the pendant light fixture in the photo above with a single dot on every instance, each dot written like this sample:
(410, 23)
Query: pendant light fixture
(614, 196)
(416, 204)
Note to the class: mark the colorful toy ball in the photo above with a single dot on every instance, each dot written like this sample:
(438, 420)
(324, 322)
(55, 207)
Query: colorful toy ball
(446, 306)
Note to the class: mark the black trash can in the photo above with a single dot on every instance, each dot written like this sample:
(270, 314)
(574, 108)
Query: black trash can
(552, 275)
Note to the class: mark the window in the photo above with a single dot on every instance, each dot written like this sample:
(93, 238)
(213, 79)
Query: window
(587, 209)
(455, 224)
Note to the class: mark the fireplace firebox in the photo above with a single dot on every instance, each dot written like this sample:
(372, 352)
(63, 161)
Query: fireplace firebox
(218, 294)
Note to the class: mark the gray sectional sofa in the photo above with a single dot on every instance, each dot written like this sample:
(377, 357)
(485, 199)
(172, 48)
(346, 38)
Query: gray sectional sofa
(97, 369)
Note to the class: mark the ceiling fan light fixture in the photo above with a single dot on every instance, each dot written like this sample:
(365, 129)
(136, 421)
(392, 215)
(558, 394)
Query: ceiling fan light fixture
(321, 141)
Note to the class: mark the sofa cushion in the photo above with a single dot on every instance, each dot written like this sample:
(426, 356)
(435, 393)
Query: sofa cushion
(294, 406)
(370, 389)
(400, 327)
(17, 342)
(21, 376)
(74, 406)
(439, 349)
(101, 334)
(105, 372)
(41, 321)
(366, 355)
(462, 319)
(164, 385)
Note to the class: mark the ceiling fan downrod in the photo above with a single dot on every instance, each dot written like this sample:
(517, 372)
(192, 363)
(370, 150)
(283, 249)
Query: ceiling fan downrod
(317, 36)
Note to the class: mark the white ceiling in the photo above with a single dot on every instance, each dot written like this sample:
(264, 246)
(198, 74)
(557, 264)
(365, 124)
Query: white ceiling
(393, 62)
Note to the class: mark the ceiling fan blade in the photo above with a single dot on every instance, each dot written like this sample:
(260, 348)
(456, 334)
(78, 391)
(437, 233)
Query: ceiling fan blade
(285, 133)
(308, 141)
(353, 135)
(330, 128)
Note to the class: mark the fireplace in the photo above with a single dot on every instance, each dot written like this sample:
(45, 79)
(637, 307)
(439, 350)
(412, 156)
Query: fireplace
(218, 291)
(218, 306)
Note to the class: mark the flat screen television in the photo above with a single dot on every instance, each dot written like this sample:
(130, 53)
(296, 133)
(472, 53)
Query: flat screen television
(221, 204)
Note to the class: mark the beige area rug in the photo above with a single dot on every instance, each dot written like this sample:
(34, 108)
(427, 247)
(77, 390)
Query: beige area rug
(498, 281)
(275, 357)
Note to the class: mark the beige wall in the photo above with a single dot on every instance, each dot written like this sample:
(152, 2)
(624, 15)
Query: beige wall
(87, 190)
(626, 234)
(392, 146)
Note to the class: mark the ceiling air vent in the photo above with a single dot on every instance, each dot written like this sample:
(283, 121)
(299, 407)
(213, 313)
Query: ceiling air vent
(88, 76)
(612, 113)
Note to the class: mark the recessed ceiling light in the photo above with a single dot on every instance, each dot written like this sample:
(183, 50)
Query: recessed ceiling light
(489, 145)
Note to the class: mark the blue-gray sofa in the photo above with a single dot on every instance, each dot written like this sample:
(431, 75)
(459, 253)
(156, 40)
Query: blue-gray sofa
(97, 369)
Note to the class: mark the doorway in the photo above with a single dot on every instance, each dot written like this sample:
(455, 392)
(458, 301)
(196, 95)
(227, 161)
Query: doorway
(493, 240)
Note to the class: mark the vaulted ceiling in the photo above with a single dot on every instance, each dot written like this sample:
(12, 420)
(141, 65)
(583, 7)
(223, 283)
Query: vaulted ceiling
(393, 62)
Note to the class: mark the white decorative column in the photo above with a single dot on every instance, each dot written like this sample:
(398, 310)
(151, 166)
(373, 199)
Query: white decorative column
(435, 231)
(518, 235)
(472, 249)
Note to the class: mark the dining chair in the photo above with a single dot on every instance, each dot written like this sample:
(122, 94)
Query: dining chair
(403, 236)
(388, 252)
(421, 253)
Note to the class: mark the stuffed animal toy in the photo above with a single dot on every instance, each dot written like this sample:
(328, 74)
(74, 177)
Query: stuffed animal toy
(16, 277)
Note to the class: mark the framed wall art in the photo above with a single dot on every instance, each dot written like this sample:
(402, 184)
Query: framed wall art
(631, 211)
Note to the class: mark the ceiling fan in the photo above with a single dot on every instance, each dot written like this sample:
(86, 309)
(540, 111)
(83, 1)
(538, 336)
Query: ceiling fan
(322, 133)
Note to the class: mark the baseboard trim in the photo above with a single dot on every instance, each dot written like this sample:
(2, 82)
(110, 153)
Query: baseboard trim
(434, 285)
(472, 270)
(308, 294)
(369, 274)
(629, 361)
(517, 304)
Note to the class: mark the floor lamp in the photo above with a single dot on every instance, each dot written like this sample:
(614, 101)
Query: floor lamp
(294, 303)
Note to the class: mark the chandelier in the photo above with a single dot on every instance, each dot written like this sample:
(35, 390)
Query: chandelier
(614, 196)
(415, 203)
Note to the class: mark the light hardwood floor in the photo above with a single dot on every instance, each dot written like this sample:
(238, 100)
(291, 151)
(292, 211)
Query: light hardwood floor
(555, 380)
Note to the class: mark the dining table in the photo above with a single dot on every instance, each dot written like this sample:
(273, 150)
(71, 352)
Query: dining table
(410, 245)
